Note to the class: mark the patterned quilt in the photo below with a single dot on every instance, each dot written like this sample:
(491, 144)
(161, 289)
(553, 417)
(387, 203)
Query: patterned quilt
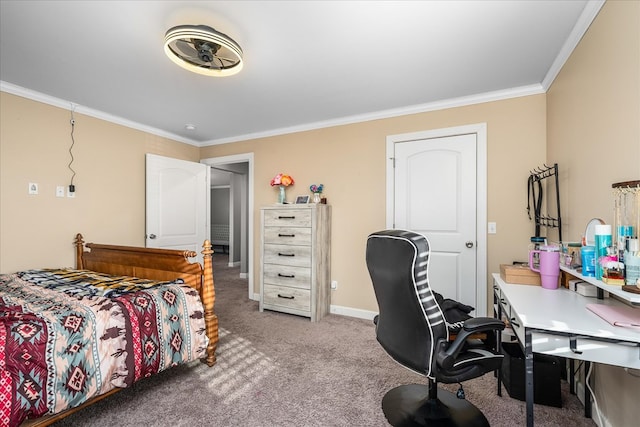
(69, 335)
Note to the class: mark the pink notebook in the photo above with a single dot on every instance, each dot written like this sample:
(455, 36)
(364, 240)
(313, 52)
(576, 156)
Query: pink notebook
(628, 317)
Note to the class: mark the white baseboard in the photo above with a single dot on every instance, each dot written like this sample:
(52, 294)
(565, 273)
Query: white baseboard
(244, 275)
(343, 311)
(352, 312)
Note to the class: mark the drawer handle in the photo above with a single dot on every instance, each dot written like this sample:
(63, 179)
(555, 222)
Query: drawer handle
(514, 323)
(286, 235)
(281, 254)
(502, 300)
(286, 217)
(286, 296)
(289, 276)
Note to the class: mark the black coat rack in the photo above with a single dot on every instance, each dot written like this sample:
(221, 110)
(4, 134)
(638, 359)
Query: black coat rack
(535, 190)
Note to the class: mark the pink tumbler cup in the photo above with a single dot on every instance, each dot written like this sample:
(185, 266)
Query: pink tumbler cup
(549, 266)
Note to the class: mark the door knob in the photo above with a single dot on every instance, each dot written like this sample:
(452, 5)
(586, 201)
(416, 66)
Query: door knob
(152, 236)
(469, 244)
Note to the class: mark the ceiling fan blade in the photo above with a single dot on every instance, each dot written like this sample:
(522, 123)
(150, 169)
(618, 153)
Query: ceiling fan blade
(230, 60)
(186, 49)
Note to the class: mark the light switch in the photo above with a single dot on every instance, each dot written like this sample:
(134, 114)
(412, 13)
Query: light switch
(491, 228)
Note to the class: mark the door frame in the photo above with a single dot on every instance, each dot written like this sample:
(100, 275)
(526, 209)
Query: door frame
(480, 130)
(240, 158)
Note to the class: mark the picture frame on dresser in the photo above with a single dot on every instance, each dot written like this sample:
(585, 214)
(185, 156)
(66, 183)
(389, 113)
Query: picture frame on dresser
(302, 200)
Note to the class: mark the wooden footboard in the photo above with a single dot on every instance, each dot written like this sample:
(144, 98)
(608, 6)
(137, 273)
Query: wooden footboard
(154, 264)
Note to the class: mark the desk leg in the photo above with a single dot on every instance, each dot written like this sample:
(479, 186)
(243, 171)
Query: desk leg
(587, 397)
(572, 381)
(499, 348)
(528, 367)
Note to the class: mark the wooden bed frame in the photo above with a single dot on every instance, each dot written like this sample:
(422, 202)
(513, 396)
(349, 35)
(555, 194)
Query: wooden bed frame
(154, 264)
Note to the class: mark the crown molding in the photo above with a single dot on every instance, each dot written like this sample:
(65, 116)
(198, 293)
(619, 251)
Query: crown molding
(61, 103)
(359, 118)
(589, 13)
(385, 114)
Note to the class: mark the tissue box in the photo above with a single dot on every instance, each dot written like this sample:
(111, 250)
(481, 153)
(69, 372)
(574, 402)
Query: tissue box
(519, 274)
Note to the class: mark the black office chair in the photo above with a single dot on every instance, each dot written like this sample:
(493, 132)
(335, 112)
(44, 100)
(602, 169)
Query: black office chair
(412, 329)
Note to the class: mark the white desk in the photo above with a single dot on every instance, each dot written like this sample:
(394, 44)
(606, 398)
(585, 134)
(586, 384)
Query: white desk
(557, 322)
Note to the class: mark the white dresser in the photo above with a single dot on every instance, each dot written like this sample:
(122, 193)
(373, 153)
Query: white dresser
(295, 259)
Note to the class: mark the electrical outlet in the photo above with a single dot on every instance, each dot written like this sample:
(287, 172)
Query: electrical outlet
(33, 188)
(334, 284)
(60, 191)
(71, 194)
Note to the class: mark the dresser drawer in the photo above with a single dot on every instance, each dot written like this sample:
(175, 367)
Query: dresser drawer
(287, 217)
(298, 256)
(286, 297)
(297, 277)
(288, 235)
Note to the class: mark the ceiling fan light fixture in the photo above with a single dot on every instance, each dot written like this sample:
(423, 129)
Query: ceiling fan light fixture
(203, 50)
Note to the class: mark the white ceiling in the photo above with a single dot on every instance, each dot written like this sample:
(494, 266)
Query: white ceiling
(308, 64)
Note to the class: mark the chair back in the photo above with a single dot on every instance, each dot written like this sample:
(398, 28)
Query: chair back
(410, 322)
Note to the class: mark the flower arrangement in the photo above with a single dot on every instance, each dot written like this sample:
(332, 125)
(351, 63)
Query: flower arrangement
(316, 189)
(282, 180)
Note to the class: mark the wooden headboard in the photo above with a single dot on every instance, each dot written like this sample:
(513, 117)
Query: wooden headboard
(146, 263)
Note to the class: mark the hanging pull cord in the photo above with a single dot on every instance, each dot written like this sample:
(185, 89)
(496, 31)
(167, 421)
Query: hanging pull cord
(72, 187)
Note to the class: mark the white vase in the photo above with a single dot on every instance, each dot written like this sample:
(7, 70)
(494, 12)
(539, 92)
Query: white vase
(316, 197)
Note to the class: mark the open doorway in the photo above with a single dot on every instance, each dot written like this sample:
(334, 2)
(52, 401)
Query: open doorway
(232, 195)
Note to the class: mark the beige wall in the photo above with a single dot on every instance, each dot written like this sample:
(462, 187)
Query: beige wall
(593, 126)
(594, 116)
(38, 230)
(350, 161)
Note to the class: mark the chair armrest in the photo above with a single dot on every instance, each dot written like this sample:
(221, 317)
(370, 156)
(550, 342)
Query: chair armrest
(479, 324)
(448, 354)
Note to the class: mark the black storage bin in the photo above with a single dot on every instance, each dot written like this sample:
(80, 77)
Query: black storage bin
(546, 375)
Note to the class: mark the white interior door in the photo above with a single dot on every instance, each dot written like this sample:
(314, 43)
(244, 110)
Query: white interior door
(177, 204)
(434, 192)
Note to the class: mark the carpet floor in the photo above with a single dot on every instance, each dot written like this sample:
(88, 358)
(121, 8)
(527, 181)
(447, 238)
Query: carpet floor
(275, 369)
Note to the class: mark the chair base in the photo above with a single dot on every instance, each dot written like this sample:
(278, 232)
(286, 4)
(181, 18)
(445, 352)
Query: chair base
(409, 406)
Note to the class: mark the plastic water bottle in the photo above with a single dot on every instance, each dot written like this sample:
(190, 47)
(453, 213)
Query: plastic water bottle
(588, 255)
(632, 262)
(603, 242)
